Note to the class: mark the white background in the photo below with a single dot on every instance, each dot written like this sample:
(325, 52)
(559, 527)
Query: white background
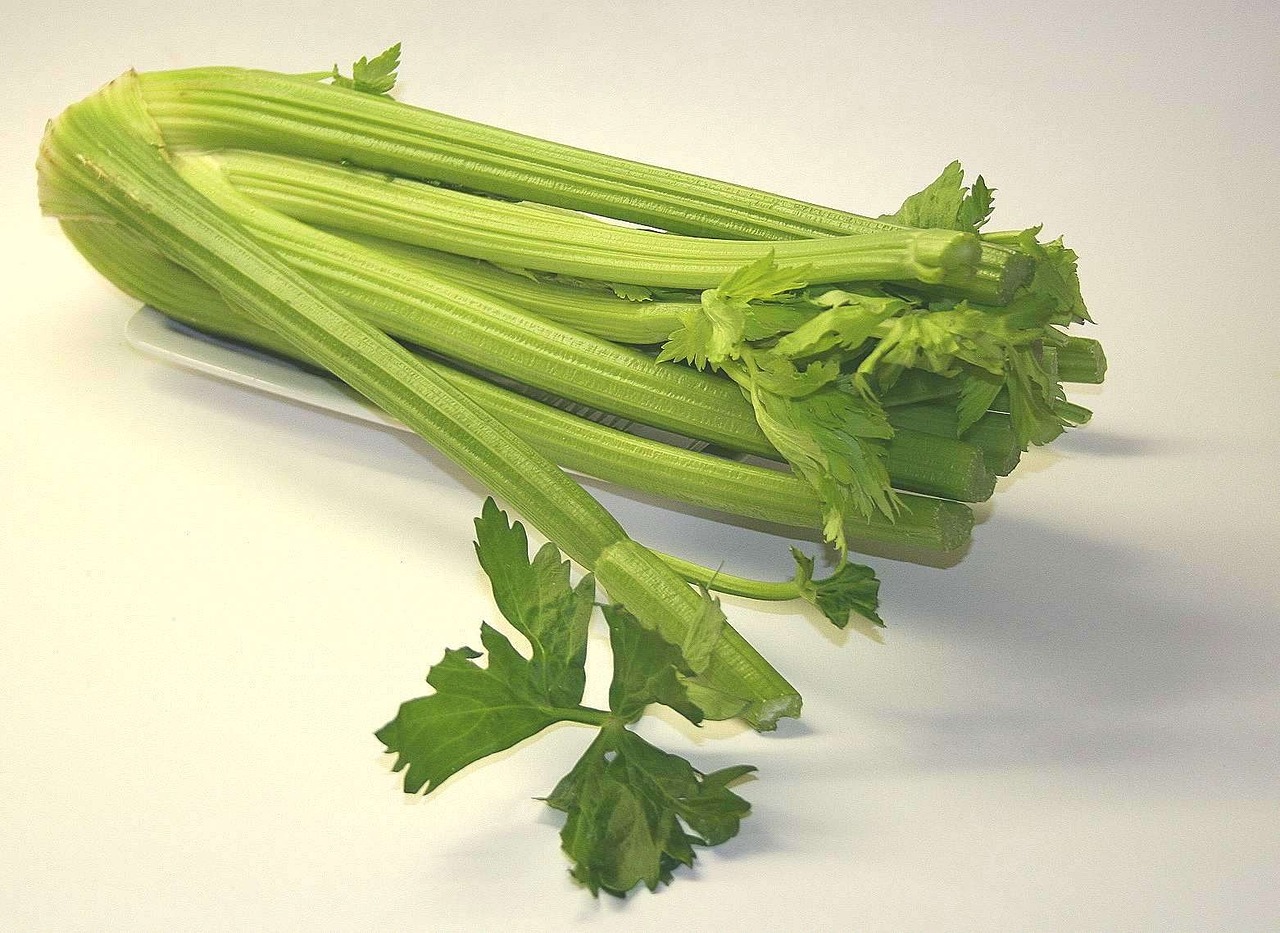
(211, 598)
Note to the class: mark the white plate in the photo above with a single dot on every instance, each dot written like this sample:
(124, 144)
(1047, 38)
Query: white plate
(156, 335)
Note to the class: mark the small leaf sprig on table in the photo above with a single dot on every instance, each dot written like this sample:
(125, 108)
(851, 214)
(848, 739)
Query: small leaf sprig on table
(633, 812)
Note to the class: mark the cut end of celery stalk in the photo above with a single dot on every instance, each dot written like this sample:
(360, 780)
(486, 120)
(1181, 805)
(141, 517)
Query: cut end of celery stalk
(995, 278)
(939, 466)
(924, 525)
(940, 256)
(764, 716)
(954, 524)
(1082, 360)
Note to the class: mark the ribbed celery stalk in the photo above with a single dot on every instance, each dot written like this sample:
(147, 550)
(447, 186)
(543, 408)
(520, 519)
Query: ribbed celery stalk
(231, 107)
(700, 479)
(535, 237)
(937, 465)
(651, 322)
(592, 310)
(992, 433)
(1081, 359)
(411, 304)
(103, 159)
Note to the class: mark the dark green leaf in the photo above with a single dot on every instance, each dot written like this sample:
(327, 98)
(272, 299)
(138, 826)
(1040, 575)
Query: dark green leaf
(536, 597)
(475, 712)
(646, 669)
(635, 812)
(852, 588)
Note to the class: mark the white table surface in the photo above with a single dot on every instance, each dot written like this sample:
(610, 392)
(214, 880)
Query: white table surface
(210, 597)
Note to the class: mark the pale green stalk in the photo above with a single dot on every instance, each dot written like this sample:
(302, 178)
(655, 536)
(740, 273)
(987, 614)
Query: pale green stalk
(700, 479)
(414, 305)
(212, 108)
(104, 159)
(536, 237)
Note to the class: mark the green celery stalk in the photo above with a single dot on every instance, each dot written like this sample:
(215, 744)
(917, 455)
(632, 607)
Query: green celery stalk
(104, 159)
(934, 464)
(416, 306)
(704, 480)
(1081, 359)
(535, 237)
(213, 108)
(589, 306)
(992, 433)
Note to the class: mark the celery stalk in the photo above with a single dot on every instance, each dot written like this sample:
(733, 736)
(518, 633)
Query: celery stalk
(372, 203)
(212, 108)
(103, 159)
(414, 305)
(704, 480)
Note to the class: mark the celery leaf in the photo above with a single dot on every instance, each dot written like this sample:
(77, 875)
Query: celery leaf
(477, 711)
(474, 712)
(976, 208)
(769, 318)
(936, 205)
(634, 812)
(852, 588)
(631, 292)
(947, 204)
(833, 439)
(537, 598)
(375, 75)
(1034, 399)
(646, 669)
(846, 326)
(1053, 295)
(977, 392)
(940, 341)
(831, 435)
(762, 279)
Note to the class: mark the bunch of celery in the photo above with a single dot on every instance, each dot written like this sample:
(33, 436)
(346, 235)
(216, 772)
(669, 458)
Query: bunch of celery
(859, 377)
